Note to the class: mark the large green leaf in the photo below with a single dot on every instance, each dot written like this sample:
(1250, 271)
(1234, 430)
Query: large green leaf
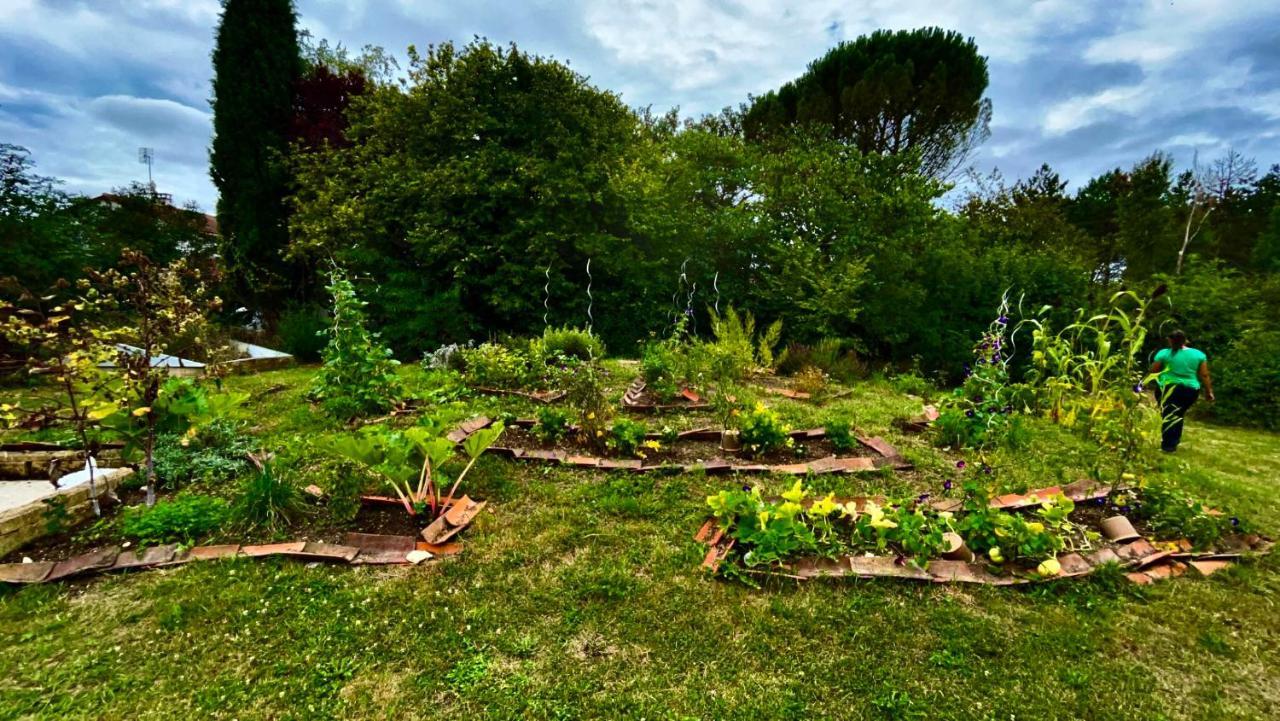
(480, 441)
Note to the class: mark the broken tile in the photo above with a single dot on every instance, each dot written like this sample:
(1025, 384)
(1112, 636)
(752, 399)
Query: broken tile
(1073, 564)
(542, 455)
(416, 556)
(880, 445)
(475, 424)
(1138, 549)
(452, 521)
(209, 553)
(328, 551)
(1140, 578)
(1209, 566)
(752, 468)
(25, 572)
(145, 557)
(439, 549)
(583, 461)
(501, 451)
(273, 549)
(690, 395)
(1102, 556)
(706, 433)
(610, 464)
(820, 567)
(377, 548)
(705, 531)
(84, 563)
(886, 567)
(314, 491)
(795, 469)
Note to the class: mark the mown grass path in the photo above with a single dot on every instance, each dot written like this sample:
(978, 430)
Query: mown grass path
(578, 596)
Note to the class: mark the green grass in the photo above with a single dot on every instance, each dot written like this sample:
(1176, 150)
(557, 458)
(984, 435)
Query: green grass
(579, 596)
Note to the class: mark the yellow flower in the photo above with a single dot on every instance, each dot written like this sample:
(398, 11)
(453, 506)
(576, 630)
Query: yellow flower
(763, 518)
(591, 415)
(796, 494)
(599, 433)
(138, 413)
(1128, 476)
(1049, 567)
(994, 554)
(733, 412)
(824, 507)
(1035, 527)
(850, 509)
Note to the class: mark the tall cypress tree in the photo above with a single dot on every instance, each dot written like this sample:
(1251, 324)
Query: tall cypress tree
(256, 63)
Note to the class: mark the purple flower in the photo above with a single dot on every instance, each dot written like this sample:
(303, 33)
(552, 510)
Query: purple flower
(946, 485)
(968, 413)
(1002, 320)
(900, 561)
(1124, 509)
(923, 497)
(1100, 501)
(980, 361)
(1235, 521)
(960, 464)
(746, 488)
(986, 469)
(1138, 388)
(1008, 408)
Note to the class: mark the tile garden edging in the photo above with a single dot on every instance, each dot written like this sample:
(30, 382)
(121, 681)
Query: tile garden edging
(1149, 563)
(358, 549)
(886, 454)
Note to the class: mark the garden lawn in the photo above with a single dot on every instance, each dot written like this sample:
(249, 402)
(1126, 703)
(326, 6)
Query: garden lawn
(579, 596)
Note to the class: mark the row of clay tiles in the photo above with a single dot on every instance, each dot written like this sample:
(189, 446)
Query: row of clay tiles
(886, 454)
(1148, 562)
(357, 549)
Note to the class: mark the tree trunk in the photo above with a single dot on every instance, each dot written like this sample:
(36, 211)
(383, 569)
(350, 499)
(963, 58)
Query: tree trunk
(151, 460)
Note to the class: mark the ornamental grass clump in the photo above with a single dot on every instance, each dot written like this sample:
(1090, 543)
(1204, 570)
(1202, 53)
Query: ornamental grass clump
(358, 376)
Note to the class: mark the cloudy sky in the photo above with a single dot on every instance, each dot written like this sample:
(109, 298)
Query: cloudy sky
(1084, 85)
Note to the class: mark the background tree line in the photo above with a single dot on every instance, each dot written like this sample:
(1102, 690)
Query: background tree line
(478, 183)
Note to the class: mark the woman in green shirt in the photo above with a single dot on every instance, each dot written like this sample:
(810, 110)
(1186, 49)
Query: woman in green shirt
(1183, 371)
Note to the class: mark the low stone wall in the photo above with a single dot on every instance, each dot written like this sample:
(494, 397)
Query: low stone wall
(25, 523)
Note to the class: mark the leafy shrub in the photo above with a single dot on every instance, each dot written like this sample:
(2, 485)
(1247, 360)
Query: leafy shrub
(829, 355)
(267, 502)
(811, 380)
(660, 368)
(840, 434)
(1245, 380)
(737, 351)
(570, 343)
(359, 375)
(183, 520)
(553, 424)
(214, 453)
(763, 431)
(495, 366)
(626, 436)
(585, 393)
(1172, 514)
(301, 331)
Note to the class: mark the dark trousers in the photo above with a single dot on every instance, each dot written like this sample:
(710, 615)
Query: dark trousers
(1174, 402)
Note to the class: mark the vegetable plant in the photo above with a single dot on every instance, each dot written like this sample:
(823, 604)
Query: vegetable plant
(764, 432)
(358, 376)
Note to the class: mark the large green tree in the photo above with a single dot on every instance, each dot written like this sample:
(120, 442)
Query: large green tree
(889, 92)
(461, 189)
(256, 64)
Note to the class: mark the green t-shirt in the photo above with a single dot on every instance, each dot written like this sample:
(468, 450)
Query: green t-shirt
(1181, 367)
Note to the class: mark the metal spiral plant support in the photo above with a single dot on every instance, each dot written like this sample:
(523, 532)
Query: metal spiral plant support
(546, 297)
(674, 316)
(715, 285)
(688, 310)
(590, 319)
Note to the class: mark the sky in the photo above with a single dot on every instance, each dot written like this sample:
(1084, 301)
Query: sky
(1083, 85)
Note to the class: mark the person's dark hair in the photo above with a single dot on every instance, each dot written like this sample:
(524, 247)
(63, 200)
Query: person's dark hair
(1177, 340)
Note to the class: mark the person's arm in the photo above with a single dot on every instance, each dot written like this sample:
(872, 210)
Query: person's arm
(1206, 380)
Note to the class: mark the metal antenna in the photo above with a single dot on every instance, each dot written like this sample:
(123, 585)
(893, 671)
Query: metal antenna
(148, 156)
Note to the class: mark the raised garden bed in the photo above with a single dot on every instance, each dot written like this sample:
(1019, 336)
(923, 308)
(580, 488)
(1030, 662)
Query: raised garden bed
(695, 449)
(639, 398)
(1147, 560)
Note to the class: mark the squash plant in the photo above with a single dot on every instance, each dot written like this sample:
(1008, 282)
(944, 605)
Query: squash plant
(410, 460)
